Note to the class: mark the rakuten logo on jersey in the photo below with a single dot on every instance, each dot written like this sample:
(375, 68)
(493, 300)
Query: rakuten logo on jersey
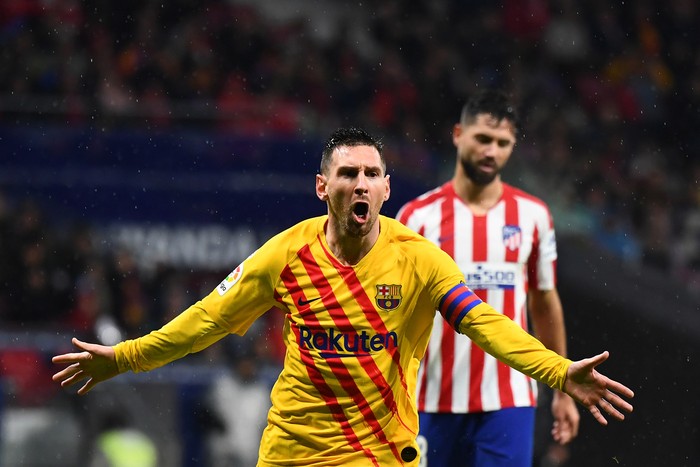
(484, 276)
(333, 343)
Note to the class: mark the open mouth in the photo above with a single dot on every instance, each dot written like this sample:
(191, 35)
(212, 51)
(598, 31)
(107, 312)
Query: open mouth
(361, 210)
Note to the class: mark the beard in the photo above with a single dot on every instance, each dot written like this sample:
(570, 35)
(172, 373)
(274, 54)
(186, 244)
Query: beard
(477, 176)
(352, 229)
(344, 218)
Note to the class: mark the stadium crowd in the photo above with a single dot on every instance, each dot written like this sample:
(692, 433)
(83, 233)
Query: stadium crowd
(610, 92)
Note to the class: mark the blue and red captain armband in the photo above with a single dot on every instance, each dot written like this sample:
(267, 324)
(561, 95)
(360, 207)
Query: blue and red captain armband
(456, 303)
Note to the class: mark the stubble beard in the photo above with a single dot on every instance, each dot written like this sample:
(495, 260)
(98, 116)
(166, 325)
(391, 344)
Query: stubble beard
(356, 230)
(476, 176)
(350, 227)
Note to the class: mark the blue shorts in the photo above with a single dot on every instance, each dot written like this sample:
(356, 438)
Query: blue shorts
(502, 438)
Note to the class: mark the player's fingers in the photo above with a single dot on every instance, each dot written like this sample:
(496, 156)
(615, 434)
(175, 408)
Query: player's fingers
(573, 419)
(611, 410)
(560, 437)
(574, 429)
(556, 431)
(66, 372)
(595, 411)
(77, 377)
(596, 360)
(69, 357)
(619, 388)
(564, 432)
(564, 438)
(87, 386)
(618, 401)
(570, 433)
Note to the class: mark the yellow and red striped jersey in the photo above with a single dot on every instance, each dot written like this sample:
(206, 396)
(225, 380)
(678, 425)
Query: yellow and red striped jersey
(354, 336)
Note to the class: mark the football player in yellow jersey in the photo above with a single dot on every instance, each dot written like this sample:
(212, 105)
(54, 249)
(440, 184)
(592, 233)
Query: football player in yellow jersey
(359, 292)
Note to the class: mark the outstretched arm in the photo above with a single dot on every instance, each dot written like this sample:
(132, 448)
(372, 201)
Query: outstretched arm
(95, 362)
(191, 331)
(595, 391)
(547, 317)
(501, 337)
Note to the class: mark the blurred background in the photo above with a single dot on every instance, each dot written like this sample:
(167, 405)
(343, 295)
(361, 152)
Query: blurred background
(146, 148)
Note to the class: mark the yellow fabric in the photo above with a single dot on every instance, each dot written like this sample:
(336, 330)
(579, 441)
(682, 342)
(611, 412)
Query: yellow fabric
(354, 337)
(499, 337)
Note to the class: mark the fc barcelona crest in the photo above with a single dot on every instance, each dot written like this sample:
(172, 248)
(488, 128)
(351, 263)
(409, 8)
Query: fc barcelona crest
(388, 296)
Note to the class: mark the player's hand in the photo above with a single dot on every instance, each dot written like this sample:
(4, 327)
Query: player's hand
(595, 391)
(96, 362)
(566, 418)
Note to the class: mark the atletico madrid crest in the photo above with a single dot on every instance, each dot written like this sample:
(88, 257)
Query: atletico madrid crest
(388, 296)
(512, 237)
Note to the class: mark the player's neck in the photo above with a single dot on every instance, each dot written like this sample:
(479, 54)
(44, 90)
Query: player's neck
(347, 249)
(479, 198)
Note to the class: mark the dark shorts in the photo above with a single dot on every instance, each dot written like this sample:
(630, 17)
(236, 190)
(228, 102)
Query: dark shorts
(502, 438)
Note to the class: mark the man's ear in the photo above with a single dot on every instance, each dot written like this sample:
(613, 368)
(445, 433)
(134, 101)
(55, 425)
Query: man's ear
(321, 187)
(388, 187)
(456, 133)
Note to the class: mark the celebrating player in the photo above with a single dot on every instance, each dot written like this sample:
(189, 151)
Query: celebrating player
(359, 292)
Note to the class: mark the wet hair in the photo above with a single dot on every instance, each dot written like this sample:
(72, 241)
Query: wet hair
(349, 137)
(491, 102)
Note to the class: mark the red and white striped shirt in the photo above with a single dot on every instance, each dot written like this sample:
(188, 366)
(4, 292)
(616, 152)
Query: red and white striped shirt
(502, 254)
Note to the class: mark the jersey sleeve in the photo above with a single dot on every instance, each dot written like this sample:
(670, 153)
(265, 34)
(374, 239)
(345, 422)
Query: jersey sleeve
(249, 291)
(242, 297)
(502, 338)
(191, 331)
(542, 261)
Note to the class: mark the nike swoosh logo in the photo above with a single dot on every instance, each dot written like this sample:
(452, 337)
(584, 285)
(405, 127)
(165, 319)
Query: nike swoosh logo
(301, 302)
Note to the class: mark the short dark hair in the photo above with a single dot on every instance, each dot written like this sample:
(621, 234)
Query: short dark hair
(492, 102)
(349, 137)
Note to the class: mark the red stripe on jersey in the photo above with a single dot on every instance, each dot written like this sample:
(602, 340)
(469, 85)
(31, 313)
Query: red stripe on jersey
(343, 324)
(407, 210)
(375, 320)
(447, 345)
(477, 356)
(315, 374)
(512, 217)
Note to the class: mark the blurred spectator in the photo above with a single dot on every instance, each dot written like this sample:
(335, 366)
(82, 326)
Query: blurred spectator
(8, 287)
(619, 81)
(565, 36)
(38, 287)
(241, 398)
(132, 311)
(120, 444)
